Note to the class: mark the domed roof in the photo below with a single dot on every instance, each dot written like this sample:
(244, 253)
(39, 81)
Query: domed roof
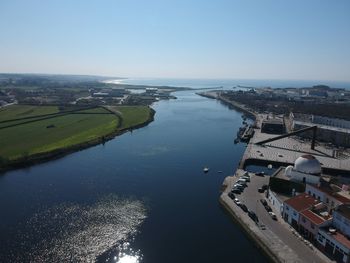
(307, 164)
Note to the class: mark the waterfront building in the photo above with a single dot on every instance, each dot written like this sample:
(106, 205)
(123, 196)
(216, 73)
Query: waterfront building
(334, 130)
(312, 219)
(342, 218)
(306, 169)
(276, 201)
(329, 194)
(334, 244)
(273, 126)
(292, 208)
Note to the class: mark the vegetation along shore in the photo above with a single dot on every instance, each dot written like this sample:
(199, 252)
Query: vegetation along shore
(31, 133)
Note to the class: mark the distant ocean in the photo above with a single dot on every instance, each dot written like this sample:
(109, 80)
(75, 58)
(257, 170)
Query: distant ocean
(229, 83)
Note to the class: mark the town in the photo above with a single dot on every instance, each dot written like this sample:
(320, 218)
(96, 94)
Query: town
(77, 90)
(297, 209)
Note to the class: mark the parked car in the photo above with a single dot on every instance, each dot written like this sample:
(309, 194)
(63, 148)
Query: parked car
(244, 207)
(237, 202)
(242, 182)
(236, 191)
(264, 187)
(268, 208)
(253, 216)
(262, 173)
(273, 215)
(260, 190)
(237, 185)
(231, 195)
(263, 201)
(245, 178)
(262, 227)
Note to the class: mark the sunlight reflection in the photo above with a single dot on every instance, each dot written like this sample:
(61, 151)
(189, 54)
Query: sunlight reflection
(128, 259)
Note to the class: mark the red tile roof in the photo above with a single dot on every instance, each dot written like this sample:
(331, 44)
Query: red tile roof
(314, 218)
(301, 202)
(341, 239)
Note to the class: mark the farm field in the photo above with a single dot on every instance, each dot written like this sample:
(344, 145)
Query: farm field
(28, 130)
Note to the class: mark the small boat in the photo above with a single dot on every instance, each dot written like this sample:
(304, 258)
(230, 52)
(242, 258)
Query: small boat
(206, 169)
(220, 172)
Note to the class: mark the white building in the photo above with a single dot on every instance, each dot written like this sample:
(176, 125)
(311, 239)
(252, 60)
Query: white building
(293, 206)
(341, 219)
(334, 243)
(327, 195)
(306, 169)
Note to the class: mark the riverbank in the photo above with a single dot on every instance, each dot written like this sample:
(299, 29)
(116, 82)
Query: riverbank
(61, 152)
(240, 107)
(274, 238)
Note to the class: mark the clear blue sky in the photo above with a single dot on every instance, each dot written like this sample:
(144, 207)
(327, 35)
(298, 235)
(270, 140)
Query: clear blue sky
(260, 39)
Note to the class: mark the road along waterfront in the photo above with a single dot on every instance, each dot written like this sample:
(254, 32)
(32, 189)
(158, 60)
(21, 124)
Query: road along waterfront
(275, 238)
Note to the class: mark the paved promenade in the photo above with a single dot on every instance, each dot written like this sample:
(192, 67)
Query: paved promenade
(277, 240)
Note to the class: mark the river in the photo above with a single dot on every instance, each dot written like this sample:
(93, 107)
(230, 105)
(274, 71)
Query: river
(141, 197)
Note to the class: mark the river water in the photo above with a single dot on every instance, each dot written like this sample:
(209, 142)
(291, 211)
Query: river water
(141, 197)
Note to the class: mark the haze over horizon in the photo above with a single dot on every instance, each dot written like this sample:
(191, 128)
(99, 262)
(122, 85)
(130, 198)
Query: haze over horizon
(308, 40)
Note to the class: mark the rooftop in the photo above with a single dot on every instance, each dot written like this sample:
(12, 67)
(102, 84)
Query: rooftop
(287, 150)
(344, 210)
(342, 239)
(281, 173)
(322, 126)
(331, 191)
(315, 218)
(301, 202)
(273, 121)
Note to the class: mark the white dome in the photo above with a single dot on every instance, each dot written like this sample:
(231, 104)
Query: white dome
(307, 164)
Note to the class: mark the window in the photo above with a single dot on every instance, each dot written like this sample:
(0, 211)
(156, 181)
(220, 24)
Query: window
(309, 192)
(294, 214)
(327, 200)
(303, 219)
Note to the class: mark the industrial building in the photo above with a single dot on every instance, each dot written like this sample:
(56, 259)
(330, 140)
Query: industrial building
(336, 131)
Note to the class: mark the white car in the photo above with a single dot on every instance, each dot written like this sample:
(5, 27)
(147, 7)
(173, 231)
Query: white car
(273, 215)
(237, 202)
(247, 179)
(242, 181)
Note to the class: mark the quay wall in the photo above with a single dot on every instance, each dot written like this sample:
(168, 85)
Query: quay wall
(261, 245)
(227, 102)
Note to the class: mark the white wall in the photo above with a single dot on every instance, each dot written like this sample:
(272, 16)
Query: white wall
(309, 179)
(292, 214)
(341, 223)
(277, 204)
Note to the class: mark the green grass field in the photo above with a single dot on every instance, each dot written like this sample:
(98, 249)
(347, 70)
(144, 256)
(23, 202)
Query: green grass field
(59, 131)
(132, 115)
